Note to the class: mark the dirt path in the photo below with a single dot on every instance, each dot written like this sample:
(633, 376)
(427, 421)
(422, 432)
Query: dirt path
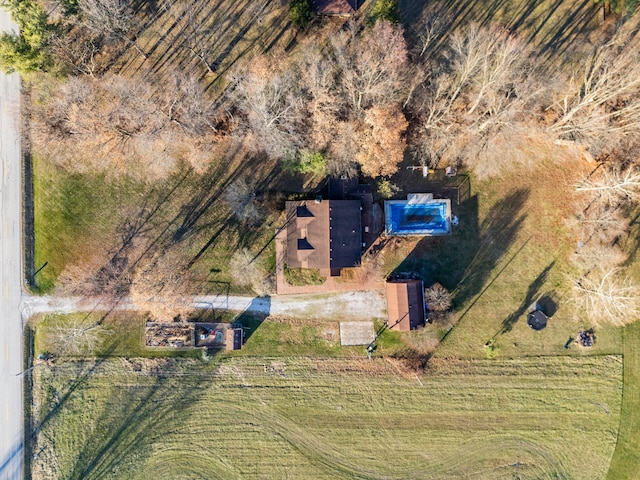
(337, 306)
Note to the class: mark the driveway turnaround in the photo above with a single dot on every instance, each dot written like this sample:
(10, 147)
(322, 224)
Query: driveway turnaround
(11, 418)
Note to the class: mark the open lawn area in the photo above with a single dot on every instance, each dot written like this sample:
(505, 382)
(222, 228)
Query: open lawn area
(121, 334)
(542, 417)
(85, 221)
(496, 399)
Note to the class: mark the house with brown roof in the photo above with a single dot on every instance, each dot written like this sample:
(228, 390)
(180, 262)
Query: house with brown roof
(342, 8)
(324, 234)
(405, 304)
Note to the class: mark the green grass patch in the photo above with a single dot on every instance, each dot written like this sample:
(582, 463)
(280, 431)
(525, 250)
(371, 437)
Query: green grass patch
(74, 214)
(299, 277)
(119, 334)
(626, 457)
(511, 249)
(279, 337)
(265, 417)
(82, 219)
(122, 334)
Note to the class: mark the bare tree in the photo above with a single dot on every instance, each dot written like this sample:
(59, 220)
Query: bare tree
(437, 298)
(186, 104)
(613, 185)
(102, 277)
(603, 97)
(195, 34)
(163, 286)
(319, 77)
(112, 19)
(608, 296)
(240, 198)
(431, 30)
(125, 125)
(374, 66)
(80, 336)
(597, 255)
(270, 97)
(483, 87)
(600, 223)
(246, 272)
(78, 51)
(343, 149)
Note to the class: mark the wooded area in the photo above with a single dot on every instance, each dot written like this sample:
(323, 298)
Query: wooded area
(359, 101)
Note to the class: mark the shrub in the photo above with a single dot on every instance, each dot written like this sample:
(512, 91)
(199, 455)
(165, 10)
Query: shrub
(438, 298)
(491, 349)
(386, 189)
(300, 13)
(299, 277)
(307, 162)
(384, 10)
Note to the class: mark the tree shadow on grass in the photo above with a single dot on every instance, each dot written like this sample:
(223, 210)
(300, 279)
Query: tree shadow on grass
(548, 25)
(631, 243)
(70, 389)
(532, 293)
(154, 406)
(462, 262)
(549, 303)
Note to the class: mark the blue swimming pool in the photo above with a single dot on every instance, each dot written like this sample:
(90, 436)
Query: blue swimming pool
(432, 218)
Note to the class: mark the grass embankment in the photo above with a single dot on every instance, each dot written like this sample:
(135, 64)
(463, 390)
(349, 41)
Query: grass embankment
(306, 418)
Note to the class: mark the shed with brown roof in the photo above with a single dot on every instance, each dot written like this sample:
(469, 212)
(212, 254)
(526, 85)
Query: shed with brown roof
(405, 304)
(234, 338)
(325, 234)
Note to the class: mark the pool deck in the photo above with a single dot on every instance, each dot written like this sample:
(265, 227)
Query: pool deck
(417, 199)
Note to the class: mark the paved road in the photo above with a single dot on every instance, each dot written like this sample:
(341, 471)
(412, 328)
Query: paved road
(337, 306)
(11, 423)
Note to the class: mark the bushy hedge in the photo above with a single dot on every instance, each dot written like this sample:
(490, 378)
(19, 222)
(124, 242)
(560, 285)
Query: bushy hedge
(300, 13)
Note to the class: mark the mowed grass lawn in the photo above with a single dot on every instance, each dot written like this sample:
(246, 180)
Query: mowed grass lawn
(83, 219)
(542, 417)
(626, 458)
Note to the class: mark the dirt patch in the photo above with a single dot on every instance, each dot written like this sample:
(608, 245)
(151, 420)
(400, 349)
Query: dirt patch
(356, 333)
(168, 335)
